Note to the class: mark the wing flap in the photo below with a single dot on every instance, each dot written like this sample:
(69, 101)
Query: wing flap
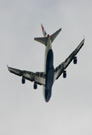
(40, 78)
(29, 75)
(58, 71)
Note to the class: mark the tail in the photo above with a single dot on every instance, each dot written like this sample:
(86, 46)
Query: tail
(44, 39)
(44, 31)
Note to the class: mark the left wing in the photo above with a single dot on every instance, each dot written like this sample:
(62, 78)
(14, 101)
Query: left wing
(60, 69)
(38, 77)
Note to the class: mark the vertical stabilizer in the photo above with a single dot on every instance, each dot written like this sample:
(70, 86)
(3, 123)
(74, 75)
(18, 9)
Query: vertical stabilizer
(44, 31)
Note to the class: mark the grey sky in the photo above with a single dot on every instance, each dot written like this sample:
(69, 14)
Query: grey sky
(23, 111)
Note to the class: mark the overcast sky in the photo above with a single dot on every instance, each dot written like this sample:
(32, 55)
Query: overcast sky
(23, 111)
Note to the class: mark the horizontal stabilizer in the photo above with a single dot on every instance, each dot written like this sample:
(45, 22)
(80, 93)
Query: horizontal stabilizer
(53, 36)
(42, 40)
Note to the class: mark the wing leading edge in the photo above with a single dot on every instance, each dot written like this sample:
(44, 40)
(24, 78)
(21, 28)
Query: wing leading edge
(60, 69)
(38, 77)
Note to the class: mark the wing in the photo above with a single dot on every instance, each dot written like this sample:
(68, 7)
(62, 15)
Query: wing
(38, 77)
(60, 69)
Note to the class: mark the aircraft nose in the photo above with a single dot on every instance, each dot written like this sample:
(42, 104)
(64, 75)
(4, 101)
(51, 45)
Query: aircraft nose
(47, 99)
(47, 95)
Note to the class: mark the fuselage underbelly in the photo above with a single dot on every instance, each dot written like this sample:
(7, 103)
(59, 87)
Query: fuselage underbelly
(49, 75)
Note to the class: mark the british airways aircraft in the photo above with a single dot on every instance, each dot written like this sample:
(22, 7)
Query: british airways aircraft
(51, 74)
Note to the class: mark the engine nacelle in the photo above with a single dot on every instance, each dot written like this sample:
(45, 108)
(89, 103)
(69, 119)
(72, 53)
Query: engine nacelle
(23, 80)
(64, 74)
(35, 85)
(75, 60)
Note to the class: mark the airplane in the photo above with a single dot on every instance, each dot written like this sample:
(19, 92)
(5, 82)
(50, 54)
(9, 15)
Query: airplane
(48, 77)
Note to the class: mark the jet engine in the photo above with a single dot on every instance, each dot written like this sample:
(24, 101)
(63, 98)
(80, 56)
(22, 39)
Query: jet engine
(23, 80)
(75, 60)
(35, 85)
(64, 74)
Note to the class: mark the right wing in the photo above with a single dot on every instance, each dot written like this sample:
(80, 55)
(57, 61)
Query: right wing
(60, 69)
(38, 77)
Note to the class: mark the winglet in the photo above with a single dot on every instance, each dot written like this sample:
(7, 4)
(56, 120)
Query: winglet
(84, 38)
(8, 67)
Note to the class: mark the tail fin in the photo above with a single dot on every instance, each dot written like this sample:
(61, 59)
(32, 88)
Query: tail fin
(44, 31)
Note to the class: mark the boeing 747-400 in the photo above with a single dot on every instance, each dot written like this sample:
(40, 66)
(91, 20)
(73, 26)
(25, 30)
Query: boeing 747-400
(48, 77)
